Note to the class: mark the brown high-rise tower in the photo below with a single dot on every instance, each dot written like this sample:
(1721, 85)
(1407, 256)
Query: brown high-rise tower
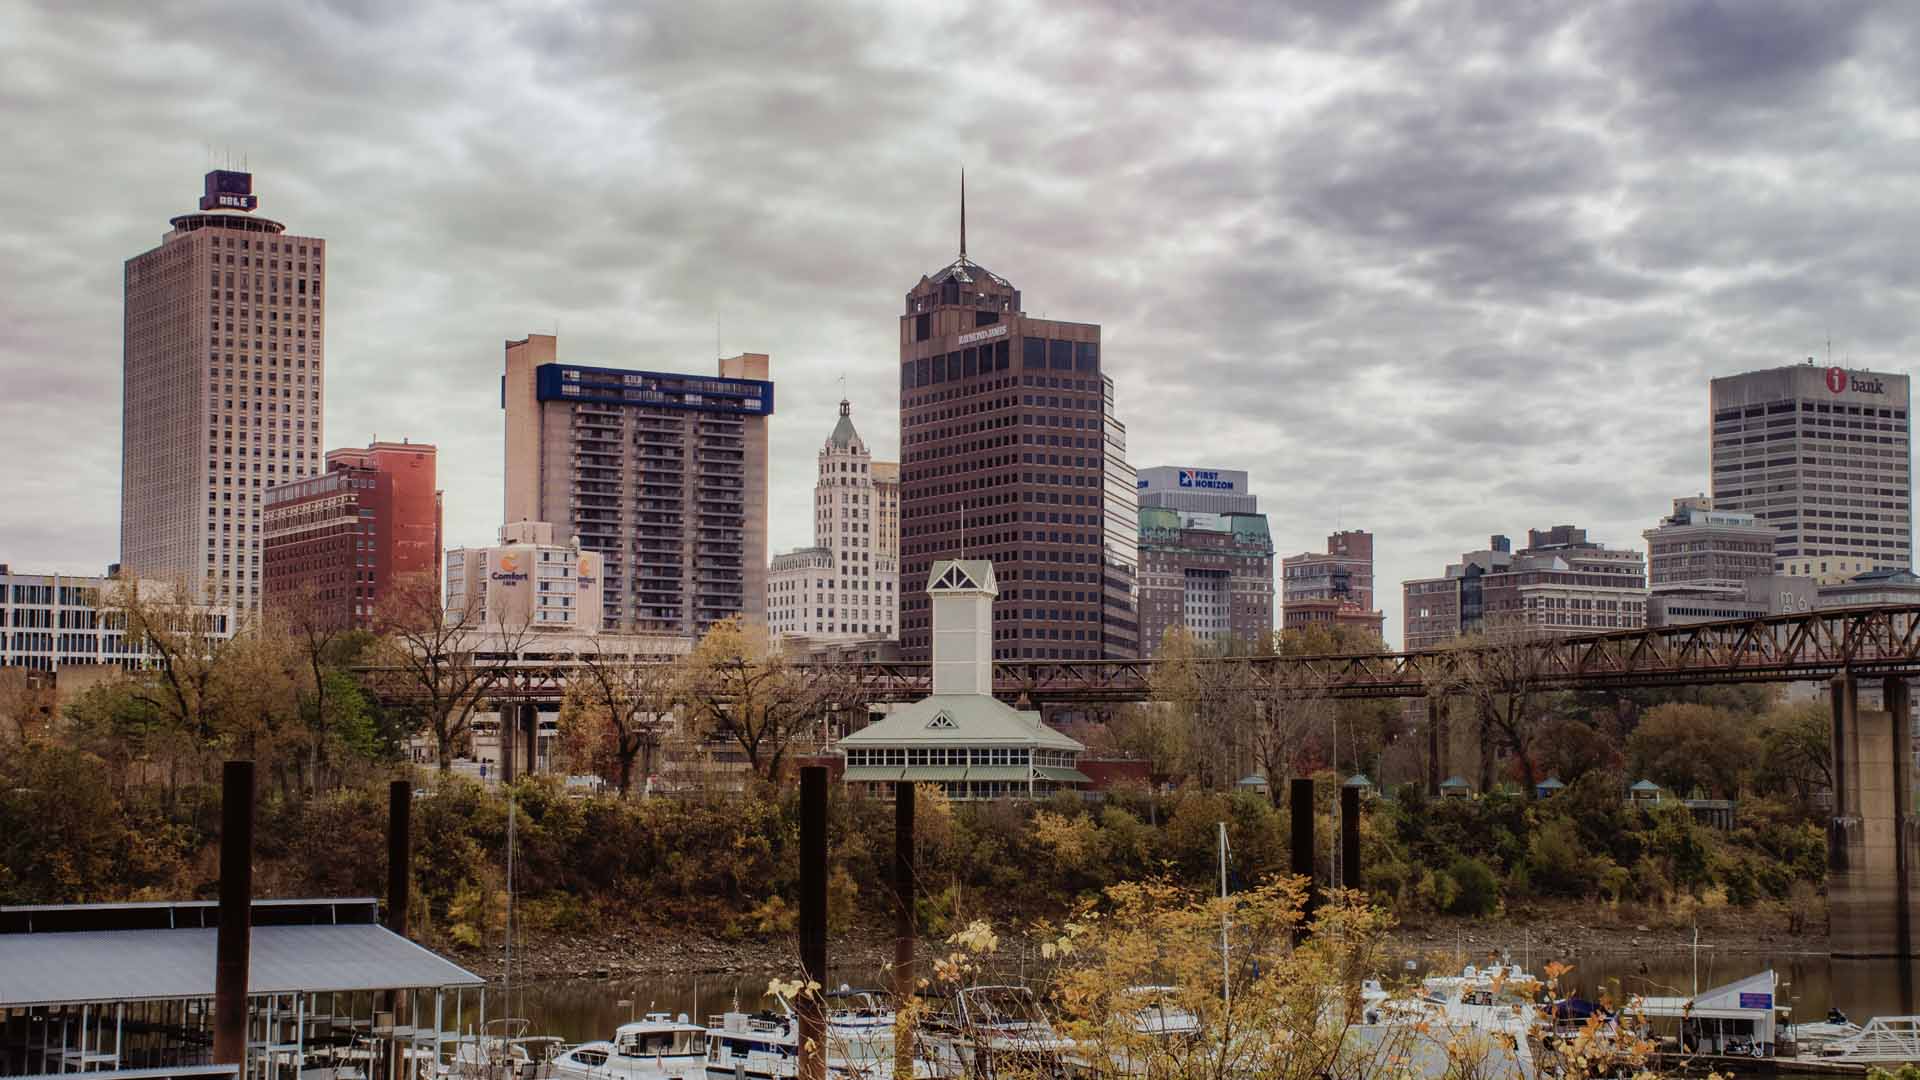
(223, 369)
(1002, 458)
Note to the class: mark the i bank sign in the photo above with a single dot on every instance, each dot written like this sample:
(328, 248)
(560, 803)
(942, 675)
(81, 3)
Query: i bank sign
(1839, 381)
(1207, 479)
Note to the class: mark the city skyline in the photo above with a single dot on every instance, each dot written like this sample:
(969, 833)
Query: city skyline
(1374, 328)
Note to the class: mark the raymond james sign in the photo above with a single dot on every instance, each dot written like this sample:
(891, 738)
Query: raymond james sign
(981, 335)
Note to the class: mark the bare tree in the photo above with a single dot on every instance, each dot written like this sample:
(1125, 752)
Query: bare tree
(1210, 699)
(736, 682)
(1497, 672)
(316, 632)
(431, 659)
(624, 704)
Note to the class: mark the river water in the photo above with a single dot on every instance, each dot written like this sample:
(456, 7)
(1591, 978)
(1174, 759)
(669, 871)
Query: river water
(577, 1010)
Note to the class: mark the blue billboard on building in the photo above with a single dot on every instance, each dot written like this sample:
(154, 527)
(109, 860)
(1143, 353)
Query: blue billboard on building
(653, 389)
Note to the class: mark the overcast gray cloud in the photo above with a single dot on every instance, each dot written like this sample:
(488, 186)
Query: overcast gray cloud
(1433, 269)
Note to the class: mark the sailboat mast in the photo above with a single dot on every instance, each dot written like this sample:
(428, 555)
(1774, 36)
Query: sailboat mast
(1226, 978)
(507, 974)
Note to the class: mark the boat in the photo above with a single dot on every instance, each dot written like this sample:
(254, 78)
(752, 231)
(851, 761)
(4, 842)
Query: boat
(504, 1050)
(656, 1047)
(765, 1045)
(1483, 1021)
(1814, 1037)
(986, 1032)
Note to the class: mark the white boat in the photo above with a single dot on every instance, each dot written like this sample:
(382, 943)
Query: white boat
(765, 1045)
(995, 1031)
(658, 1047)
(1484, 1014)
(503, 1050)
(1814, 1037)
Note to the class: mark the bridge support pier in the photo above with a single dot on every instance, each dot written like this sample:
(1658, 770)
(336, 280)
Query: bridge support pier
(1438, 740)
(1872, 838)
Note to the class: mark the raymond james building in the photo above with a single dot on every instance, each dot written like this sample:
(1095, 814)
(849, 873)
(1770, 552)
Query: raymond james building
(1004, 443)
(1822, 455)
(663, 474)
(223, 369)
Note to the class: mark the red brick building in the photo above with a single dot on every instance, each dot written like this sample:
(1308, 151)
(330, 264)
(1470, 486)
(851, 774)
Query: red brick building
(347, 536)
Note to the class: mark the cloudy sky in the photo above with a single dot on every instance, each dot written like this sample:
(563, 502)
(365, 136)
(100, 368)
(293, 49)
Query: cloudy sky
(1435, 270)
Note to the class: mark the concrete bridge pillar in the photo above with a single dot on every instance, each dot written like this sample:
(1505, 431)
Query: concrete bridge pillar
(1438, 743)
(1872, 836)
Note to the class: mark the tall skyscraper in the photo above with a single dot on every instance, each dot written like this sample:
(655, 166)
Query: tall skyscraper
(664, 474)
(848, 584)
(1206, 557)
(224, 362)
(1823, 456)
(345, 539)
(1002, 450)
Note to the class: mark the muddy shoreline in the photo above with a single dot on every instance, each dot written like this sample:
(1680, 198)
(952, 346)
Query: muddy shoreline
(1560, 934)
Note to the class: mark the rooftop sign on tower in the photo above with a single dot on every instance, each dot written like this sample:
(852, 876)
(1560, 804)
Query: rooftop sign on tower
(229, 190)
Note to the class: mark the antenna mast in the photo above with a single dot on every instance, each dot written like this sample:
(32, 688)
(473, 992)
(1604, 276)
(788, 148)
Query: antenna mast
(963, 212)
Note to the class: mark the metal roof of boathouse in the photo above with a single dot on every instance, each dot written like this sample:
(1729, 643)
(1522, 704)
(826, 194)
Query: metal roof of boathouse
(51, 955)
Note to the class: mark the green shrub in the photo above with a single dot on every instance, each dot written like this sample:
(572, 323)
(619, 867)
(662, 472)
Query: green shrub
(1476, 888)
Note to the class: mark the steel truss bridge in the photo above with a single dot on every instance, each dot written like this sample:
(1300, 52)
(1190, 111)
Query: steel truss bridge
(1817, 645)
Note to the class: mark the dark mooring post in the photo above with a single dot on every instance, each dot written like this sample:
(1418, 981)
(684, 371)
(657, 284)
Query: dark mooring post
(903, 933)
(813, 922)
(399, 854)
(1350, 837)
(233, 943)
(1301, 811)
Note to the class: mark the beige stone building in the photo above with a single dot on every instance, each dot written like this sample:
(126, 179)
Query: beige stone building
(223, 369)
(846, 586)
(663, 474)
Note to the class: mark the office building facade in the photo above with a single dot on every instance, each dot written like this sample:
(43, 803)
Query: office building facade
(1699, 549)
(1211, 573)
(847, 584)
(662, 474)
(1561, 583)
(1120, 539)
(224, 362)
(529, 582)
(54, 621)
(1821, 455)
(344, 540)
(1002, 445)
(1206, 556)
(1331, 588)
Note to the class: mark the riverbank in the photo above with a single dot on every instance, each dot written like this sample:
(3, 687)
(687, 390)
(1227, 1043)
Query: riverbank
(1544, 932)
